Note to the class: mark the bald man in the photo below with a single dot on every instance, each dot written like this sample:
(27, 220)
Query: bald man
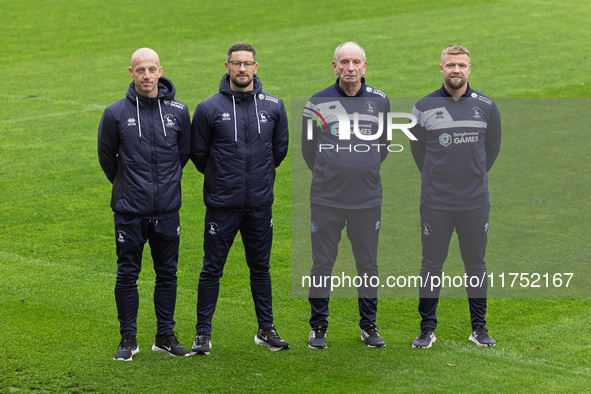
(143, 144)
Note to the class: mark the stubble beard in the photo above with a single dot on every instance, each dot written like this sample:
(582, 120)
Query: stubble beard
(239, 84)
(456, 85)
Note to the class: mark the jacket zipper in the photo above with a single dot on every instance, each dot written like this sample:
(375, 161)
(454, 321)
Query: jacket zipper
(154, 160)
(246, 119)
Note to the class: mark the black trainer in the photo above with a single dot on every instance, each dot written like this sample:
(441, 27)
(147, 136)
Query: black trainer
(480, 337)
(168, 343)
(372, 337)
(202, 343)
(425, 338)
(127, 347)
(317, 338)
(270, 338)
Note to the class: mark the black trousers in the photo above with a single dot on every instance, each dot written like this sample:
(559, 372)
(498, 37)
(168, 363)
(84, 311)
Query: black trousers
(131, 234)
(256, 230)
(437, 227)
(363, 229)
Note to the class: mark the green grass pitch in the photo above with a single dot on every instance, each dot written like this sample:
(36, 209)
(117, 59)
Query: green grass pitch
(64, 62)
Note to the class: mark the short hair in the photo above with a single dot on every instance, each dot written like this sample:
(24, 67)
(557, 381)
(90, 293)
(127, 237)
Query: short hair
(336, 52)
(242, 46)
(455, 49)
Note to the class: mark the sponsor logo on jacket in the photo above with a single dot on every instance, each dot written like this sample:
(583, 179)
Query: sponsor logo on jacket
(268, 98)
(369, 89)
(484, 99)
(175, 104)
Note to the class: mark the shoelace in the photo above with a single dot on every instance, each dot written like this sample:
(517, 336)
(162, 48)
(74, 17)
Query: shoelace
(371, 330)
(172, 339)
(201, 339)
(126, 342)
(424, 333)
(271, 333)
(481, 332)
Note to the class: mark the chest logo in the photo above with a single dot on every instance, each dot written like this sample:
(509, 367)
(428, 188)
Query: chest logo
(169, 120)
(476, 113)
(445, 139)
(370, 107)
(263, 116)
(226, 116)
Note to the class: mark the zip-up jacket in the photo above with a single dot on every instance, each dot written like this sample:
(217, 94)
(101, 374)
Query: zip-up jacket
(457, 144)
(345, 172)
(143, 145)
(238, 139)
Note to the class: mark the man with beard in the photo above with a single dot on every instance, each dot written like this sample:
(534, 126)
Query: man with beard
(239, 136)
(458, 135)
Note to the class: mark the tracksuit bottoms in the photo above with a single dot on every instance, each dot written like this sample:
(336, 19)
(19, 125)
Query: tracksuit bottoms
(256, 230)
(363, 229)
(437, 227)
(163, 235)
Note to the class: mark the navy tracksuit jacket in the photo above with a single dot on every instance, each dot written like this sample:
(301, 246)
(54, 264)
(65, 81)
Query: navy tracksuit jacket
(346, 189)
(238, 139)
(458, 142)
(143, 145)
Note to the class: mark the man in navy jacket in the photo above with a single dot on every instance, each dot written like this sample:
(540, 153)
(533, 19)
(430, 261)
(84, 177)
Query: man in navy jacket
(143, 145)
(458, 135)
(346, 188)
(239, 136)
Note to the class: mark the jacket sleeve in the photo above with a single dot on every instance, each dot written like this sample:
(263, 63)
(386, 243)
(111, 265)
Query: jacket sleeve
(419, 147)
(201, 136)
(280, 136)
(492, 141)
(108, 145)
(184, 141)
(309, 145)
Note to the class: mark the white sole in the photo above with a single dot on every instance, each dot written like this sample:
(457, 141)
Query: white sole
(368, 345)
(480, 344)
(425, 347)
(258, 341)
(133, 353)
(158, 349)
(192, 353)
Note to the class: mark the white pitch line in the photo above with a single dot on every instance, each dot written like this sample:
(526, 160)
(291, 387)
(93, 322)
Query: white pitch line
(58, 114)
(16, 257)
(499, 352)
(85, 107)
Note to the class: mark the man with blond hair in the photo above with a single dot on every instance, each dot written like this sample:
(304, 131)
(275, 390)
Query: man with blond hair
(458, 135)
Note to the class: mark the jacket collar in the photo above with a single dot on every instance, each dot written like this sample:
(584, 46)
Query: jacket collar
(225, 87)
(166, 90)
(445, 93)
(342, 92)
